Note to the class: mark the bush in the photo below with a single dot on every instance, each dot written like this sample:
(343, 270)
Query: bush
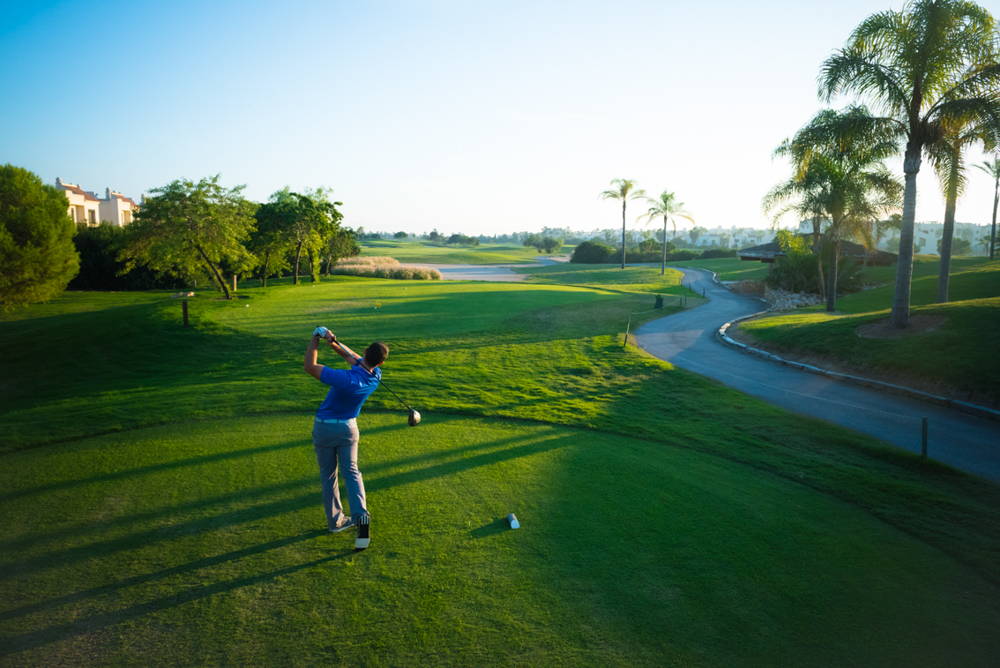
(713, 254)
(98, 247)
(591, 252)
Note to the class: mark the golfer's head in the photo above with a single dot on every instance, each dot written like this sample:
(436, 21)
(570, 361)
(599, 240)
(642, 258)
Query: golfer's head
(376, 353)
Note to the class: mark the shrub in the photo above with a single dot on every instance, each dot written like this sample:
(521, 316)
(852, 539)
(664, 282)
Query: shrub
(98, 247)
(591, 252)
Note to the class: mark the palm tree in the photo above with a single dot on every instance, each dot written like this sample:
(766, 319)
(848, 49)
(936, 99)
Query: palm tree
(934, 62)
(993, 169)
(841, 177)
(624, 191)
(668, 207)
(948, 157)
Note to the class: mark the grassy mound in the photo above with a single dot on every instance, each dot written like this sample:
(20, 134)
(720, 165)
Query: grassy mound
(959, 356)
(161, 506)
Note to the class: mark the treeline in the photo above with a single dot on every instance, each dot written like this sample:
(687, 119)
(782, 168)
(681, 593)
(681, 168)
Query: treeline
(188, 231)
(598, 252)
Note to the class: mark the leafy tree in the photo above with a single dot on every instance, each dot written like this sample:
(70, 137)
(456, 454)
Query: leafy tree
(400, 235)
(36, 239)
(696, 233)
(100, 269)
(591, 252)
(315, 218)
(623, 190)
(841, 175)
(551, 245)
(534, 241)
(342, 244)
(958, 246)
(270, 240)
(667, 206)
(993, 169)
(933, 63)
(186, 227)
(433, 236)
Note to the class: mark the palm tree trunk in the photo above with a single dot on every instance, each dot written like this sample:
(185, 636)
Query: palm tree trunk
(900, 317)
(623, 234)
(831, 286)
(816, 231)
(993, 230)
(819, 266)
(944, 269)
(663, 266)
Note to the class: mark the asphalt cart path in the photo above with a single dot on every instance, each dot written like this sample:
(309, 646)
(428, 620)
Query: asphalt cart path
(688, 339)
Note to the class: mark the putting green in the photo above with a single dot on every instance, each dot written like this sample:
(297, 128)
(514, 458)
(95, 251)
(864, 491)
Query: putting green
(205, 544)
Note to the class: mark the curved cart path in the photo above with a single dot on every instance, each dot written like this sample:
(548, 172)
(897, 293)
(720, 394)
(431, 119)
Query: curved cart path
(688, 340)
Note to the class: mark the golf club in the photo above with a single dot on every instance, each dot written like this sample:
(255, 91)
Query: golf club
(414, 417)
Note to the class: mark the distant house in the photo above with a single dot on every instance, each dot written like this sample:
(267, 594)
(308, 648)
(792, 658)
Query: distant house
(87, 207)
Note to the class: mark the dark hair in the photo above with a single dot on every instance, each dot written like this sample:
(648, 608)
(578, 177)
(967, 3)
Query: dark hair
(376, 354)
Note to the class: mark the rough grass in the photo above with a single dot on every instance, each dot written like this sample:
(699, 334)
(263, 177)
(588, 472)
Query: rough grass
(383, 267)
(665, 519)
(960, 356)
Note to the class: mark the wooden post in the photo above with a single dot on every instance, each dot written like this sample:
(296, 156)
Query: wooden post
(185, 304)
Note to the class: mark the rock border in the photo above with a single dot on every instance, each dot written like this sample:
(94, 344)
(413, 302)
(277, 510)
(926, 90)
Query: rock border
(954, 404)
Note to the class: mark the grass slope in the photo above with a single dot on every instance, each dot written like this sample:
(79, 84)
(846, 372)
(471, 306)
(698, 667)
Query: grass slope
(666, 519)
(960, 356)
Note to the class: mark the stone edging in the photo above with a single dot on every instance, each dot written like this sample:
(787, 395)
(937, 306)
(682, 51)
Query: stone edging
(961, 406)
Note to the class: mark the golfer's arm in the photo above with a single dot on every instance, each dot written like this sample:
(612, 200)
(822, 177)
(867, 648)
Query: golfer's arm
(309, 365)
(349, 355)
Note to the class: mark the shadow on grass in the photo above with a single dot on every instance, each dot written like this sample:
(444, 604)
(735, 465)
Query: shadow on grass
(178, 464)
(497, 526)
(499, 451)
(35, 639)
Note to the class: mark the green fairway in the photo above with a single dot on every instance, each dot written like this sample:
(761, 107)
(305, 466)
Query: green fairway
(206, 546)
(431, 253)
(162, 505)
(960, 353)
(728, 268)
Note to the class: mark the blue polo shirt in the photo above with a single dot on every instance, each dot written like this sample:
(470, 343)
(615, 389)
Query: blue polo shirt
(348, 390)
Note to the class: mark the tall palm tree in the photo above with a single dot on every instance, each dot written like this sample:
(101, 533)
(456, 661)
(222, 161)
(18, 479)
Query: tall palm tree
(668, 207)
(947, 155)
(840, 177)
(624, 190)
(993, 169)
(933, 62)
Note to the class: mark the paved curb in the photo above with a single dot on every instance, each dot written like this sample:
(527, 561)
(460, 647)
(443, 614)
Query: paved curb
(954, 404)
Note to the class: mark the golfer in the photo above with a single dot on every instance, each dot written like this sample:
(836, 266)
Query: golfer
(335, 432)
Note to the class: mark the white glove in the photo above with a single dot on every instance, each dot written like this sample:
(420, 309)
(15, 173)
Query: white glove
(320, 332)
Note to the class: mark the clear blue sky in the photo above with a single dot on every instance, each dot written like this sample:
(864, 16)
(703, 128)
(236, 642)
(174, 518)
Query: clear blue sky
(474, 117)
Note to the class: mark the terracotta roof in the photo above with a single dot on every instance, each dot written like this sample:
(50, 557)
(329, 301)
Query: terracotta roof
(79, 191)
(125, 199)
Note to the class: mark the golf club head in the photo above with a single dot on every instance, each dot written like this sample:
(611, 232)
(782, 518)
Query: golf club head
(414, 418)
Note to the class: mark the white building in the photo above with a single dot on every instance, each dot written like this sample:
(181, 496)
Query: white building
(87, 207)
(925, 235)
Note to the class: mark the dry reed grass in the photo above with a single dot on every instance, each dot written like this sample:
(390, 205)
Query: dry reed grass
(383, 267)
